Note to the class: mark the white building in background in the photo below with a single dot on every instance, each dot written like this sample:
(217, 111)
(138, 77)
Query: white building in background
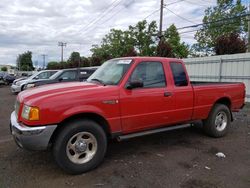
(10, 69)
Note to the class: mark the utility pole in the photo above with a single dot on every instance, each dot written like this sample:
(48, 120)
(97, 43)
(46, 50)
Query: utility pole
(62, 44)
(248, 21)
(161, 19)
(43, 55)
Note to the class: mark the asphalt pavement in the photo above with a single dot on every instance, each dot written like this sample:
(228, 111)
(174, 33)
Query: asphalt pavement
(182, 158)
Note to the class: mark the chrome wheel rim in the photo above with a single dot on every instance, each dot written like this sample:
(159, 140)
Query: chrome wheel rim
(81, 147)
(221, 121)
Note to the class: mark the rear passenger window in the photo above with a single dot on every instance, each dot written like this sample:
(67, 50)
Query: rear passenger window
(179, 74)
(68, 75)
(150, 73)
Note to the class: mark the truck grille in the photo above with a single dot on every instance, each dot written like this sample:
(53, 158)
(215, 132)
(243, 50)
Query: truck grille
(17, 107)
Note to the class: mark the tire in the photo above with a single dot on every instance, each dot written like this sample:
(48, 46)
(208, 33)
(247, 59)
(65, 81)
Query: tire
(80, 146)
(218, 121)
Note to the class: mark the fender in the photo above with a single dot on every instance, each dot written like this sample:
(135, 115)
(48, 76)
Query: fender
(82, 109)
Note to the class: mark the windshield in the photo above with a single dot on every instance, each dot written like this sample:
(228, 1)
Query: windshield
(42, 75)
(34, 75)
(111, 72)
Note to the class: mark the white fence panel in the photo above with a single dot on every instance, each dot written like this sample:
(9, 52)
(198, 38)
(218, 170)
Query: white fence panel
(224, 68)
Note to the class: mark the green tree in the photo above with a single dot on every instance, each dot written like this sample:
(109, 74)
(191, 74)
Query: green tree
(164, 49)
(53, 65)
(4, 69)
(144, 37)
(229, 12)
(117, 43)
(136, 40)
(74, 57)
(24, 61)
(179, 49)
(85, 62)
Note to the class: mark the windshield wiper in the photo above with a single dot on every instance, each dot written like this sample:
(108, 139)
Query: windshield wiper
(97, 80)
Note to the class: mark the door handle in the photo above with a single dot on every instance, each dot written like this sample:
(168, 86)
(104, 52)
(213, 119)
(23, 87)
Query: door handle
(167, 94)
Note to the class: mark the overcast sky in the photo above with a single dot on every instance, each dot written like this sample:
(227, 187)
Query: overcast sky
(38, 25)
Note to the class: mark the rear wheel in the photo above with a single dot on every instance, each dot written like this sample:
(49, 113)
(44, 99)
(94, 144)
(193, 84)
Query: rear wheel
(218, 121)
(80, 146)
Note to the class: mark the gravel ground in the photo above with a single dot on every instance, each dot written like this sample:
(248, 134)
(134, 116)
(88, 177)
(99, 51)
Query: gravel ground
(184, 158)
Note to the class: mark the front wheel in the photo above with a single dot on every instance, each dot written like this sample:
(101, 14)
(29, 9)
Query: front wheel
(218, 121)
(80, 146)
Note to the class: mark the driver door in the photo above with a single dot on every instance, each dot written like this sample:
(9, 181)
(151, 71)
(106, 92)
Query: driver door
(148, 106)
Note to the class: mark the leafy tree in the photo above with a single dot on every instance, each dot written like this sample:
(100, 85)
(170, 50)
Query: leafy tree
(130, 53)
(136, 40)
(53, 65)
(95, 61)
(114, 44)
(180, 49)
(230, 44)
(164, 49)
(4, 69)
(85, 62)
(74, 57)
(144, 37)
(24, 61)
(227, 10)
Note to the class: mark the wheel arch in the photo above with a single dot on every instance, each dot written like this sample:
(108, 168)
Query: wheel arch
(225, 101)
(90, 116)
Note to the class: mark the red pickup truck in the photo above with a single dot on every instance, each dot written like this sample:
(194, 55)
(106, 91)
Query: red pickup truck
(124, 98)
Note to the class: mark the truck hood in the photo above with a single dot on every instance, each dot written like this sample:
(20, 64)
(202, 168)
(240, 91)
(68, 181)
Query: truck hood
(30, 96)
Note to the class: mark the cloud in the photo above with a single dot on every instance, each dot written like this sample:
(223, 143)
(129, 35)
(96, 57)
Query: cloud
(39, 25)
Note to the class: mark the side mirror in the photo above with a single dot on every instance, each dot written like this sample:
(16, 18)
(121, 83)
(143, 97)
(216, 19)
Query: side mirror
(135, 84)
(60, 79)
(36, 78)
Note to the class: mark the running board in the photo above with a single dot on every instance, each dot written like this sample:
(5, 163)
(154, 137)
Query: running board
(148, 132)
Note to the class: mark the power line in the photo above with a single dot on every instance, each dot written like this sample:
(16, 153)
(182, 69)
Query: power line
(190, 31)
(165, 5)
(102, 16)
(180, 16)
(105, 21)
(217, 21)
(193, 3)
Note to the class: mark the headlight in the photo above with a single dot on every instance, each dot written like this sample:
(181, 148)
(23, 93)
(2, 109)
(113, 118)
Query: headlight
(17, 83)
(30, 85)
(30, 113)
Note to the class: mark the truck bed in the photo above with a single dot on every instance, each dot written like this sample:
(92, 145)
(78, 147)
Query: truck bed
(198, 83)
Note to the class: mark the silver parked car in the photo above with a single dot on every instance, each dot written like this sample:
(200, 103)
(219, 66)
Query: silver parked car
(18, 84)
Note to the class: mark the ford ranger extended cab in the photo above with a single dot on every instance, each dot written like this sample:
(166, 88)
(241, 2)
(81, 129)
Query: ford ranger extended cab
(124, 98)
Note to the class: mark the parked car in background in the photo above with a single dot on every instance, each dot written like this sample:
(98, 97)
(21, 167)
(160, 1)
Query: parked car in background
(8, 79)
(18, 85)
(2, 74)
(65, 75)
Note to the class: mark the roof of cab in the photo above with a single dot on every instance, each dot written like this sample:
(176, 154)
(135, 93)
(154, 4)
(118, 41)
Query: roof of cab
(150, 58)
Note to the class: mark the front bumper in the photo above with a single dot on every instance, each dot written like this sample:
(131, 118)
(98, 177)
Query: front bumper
(31, 138)
(15, 88)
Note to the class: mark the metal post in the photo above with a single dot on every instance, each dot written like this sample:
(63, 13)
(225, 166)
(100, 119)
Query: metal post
(220, 69)
(161, 19)
(62, 44)
(44, 55)
(248, 21)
